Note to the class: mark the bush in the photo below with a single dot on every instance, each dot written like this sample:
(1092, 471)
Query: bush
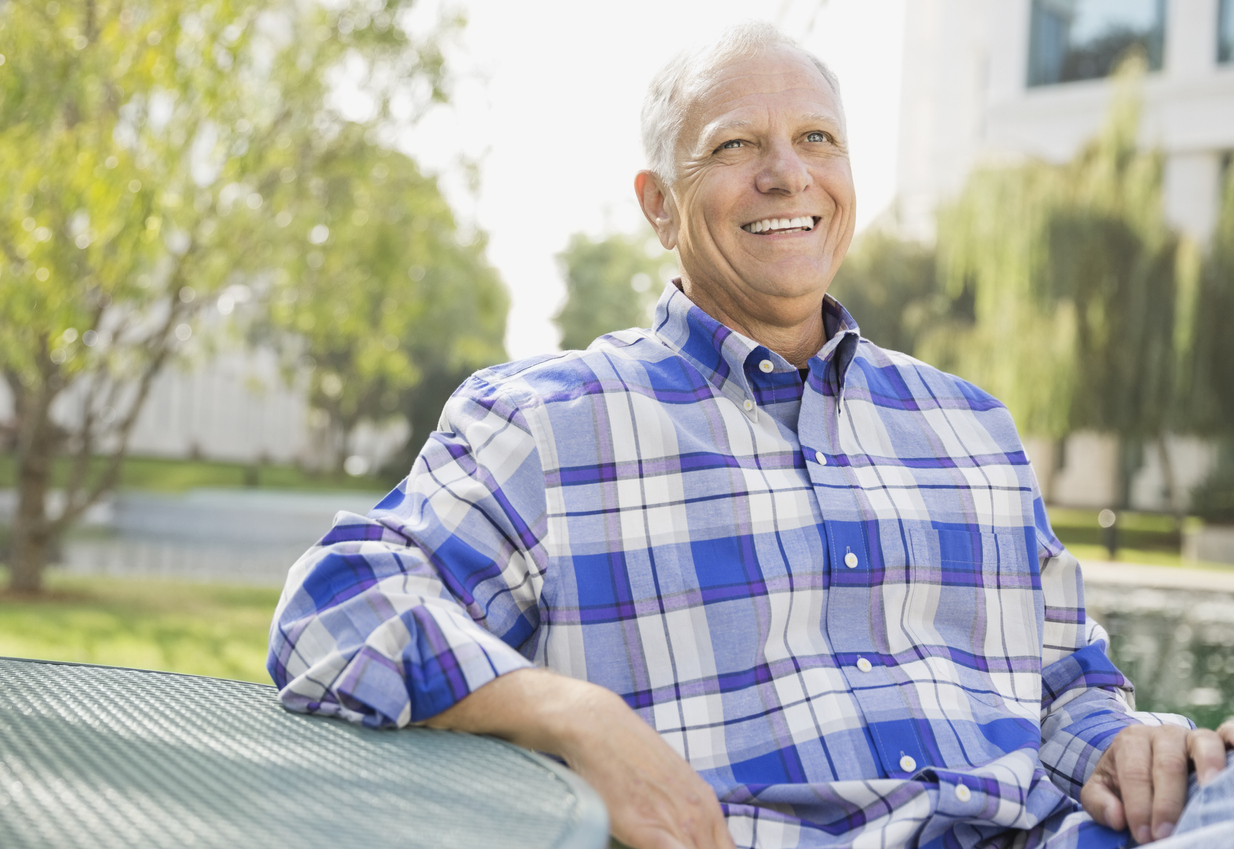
(1213, 500)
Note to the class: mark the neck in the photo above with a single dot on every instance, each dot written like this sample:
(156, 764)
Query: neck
(796, 332)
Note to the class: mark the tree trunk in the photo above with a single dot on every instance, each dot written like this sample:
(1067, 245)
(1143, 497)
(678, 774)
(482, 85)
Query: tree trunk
(342, 445)
(1174, 498)
(1169, 484)
(32, 532)
(1130, 458)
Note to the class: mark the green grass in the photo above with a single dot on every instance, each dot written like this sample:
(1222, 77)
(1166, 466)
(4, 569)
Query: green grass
(200, 629)
(1139, 531)
(1152, 538)
(167, 475)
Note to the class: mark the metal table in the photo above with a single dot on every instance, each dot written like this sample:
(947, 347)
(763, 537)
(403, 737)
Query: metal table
(97, 756)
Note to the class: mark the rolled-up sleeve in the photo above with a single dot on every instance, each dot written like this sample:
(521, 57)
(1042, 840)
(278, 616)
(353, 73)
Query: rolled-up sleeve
(1085, 699)
(394, 617)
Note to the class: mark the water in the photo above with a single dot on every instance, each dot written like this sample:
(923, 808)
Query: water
(1174, 644)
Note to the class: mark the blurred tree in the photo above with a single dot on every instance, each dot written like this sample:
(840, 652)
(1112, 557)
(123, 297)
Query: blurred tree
(611, 284)
(1073, 273)
(1206, 374)
(147, 147)
(888, 285)
(387, 293)
(465, 309)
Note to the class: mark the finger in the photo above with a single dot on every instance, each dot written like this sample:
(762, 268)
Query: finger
(711, 830)
(1207, 752)
(1102, 803)
(1170, 757)
(1226, 732)
(1133, 782)
(721, 837)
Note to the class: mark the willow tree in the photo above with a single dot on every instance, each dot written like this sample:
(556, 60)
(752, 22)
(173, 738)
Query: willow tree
(889, 285)
(1206, 376)
(143, 144)
(1073, 274)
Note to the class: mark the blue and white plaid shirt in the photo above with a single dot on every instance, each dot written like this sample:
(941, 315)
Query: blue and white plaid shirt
(840, 601)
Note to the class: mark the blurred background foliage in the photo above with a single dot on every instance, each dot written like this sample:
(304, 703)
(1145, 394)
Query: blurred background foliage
(163, 156)
(611, 283)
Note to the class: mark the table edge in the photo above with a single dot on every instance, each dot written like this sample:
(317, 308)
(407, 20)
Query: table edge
(592, 826)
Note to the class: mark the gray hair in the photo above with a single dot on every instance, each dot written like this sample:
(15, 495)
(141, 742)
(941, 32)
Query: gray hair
(670, 91)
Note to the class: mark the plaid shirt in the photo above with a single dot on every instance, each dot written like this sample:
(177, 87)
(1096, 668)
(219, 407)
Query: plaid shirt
(840, 600)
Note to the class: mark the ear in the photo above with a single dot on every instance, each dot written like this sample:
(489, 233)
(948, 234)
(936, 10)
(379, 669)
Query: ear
(658, 207)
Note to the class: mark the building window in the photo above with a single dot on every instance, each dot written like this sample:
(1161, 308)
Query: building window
(1085, 39)
(1225, 32)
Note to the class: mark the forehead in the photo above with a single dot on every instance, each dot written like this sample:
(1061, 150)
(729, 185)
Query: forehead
(780, 84)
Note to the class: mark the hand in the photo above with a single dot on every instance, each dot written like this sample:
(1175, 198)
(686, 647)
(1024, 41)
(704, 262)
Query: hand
(1140, 782)
(655, 799)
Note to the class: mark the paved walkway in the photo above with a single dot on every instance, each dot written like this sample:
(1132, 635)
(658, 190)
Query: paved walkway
(1116, 573)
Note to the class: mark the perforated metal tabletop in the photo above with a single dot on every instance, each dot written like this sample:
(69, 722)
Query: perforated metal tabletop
(96, 756)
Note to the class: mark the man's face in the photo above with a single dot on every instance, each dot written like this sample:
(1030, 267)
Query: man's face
(763, 207)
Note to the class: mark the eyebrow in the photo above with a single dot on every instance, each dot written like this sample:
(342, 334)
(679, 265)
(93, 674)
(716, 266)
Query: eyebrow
(711, 132)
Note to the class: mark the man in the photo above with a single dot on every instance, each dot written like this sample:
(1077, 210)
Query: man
(758, 581)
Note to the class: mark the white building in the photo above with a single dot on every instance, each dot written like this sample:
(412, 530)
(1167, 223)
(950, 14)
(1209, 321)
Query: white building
(985, 80)
(992, 81)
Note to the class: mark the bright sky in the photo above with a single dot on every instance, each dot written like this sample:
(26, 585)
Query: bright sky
(547, 101)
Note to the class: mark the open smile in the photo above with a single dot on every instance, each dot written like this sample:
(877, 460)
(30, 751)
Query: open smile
(769, 226)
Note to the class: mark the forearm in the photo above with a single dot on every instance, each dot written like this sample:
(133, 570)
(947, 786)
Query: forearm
(536, 709)
(654, 797)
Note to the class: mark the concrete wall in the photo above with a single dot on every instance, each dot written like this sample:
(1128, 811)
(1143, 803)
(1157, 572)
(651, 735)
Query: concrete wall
(1084, 473)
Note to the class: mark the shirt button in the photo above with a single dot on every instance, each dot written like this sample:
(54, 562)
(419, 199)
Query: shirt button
(963, 793)
(748, 404)
(818, 455)
(766, 366)
(864, 665)
(908, 765)
(850, 560)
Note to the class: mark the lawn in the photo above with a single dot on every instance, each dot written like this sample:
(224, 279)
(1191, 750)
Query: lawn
(173, 475)
(1151, 538)
(201, 629)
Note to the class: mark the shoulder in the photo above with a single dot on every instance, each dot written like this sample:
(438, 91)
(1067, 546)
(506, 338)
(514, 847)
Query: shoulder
(613, 362)
(907, 378)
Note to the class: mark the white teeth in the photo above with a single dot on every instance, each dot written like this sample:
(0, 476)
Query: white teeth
(803, 222)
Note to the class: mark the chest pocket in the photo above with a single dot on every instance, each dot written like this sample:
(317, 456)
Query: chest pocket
(971, 606)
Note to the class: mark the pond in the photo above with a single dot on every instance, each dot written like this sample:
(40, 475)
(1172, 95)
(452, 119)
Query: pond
(1176, 645)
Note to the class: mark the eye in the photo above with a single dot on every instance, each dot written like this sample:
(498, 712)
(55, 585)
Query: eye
(817, 136)
(731, 144)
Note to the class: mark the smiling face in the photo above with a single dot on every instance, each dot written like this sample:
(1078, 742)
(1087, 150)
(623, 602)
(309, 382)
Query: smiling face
(762, 208)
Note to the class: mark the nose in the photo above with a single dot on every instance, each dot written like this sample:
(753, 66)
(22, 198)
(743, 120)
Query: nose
(783, 170)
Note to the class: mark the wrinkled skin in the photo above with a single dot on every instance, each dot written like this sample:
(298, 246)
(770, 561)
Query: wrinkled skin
(1140, 782)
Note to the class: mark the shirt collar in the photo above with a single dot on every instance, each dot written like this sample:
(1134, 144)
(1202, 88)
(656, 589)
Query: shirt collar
(721, 354)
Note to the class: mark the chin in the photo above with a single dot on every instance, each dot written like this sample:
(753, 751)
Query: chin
(805, 283)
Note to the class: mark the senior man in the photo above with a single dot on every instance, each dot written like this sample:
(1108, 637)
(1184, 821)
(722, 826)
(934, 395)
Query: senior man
(759, 581)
